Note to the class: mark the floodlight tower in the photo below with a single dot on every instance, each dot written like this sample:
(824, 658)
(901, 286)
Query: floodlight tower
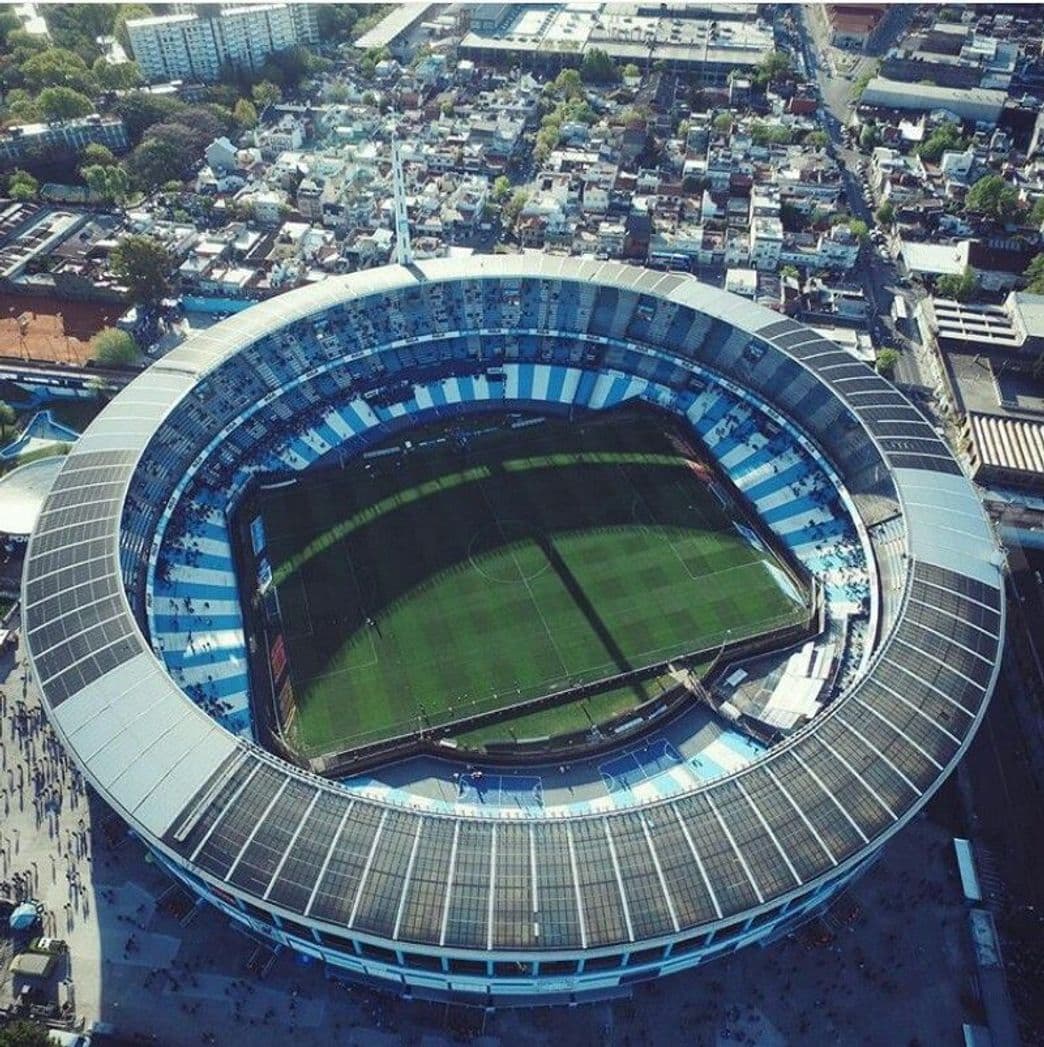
(403, 250)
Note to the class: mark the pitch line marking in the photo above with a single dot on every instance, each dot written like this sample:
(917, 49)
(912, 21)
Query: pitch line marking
(525, 581)
(498, 523)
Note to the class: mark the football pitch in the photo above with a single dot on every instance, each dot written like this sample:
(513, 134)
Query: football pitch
(484, 564)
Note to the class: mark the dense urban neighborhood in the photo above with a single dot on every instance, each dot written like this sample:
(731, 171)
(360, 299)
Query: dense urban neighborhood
(871, 176)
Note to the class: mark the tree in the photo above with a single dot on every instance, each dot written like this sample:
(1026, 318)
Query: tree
(722, 122)
(23, 186)
(946, 137)
(335, 22)
(857, 227)
(1037, 214)
(367, 22)
(224, 94)
(63, 103)
(203, 123)
(887, 360)
(868, 136)
(266, 93)
(171, 148)
(23, 45)
(8, 417)
(885, 214)
(140, 110)
(152, 162)
(992, 196)
(501, 188)
(789, 271)
(630, 71)
(574, 108)
(960, 286)
(633, 116)
(514, 206)
(568, 84)
(861, 84)
(114, 348)
(109, 181)
(1035, 275)
(25, 1034)
(598, 68)
(368, 62)
(116, 76)
(420, 52)
(291, 65)
(546, 140)
(244, 114)
(76, 27)
(9, 23)
(817, 139)
(57, 67)
(763, 133)
(125, 14)
(96, 153)
(21, 107)
(772, 66)
(97, 385)
(144, 266)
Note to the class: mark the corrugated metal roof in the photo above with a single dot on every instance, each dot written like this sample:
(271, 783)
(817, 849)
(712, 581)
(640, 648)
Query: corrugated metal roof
(1008, 443)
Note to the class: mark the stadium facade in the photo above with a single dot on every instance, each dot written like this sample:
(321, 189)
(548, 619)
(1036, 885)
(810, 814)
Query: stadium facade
(498, 906)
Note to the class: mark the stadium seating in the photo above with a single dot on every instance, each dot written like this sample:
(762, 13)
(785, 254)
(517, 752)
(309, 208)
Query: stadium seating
(337, 378)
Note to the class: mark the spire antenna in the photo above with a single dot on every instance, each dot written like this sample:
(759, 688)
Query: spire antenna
(403, 249)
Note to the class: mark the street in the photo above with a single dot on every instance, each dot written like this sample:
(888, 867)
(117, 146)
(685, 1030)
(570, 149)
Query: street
(881, 282)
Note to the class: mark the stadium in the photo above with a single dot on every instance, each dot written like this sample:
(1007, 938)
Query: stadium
(513, 629)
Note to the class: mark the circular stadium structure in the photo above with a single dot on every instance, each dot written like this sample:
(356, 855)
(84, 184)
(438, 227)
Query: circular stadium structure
(136, 636)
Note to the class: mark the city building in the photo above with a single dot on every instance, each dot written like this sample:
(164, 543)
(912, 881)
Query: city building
(708, 45)
(61, 139)
(989, 355)
(196, 45)
(1016, 326)
(977, 104)
(854, 25)
(766, 242)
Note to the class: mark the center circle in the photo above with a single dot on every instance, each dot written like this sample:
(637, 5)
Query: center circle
(519, 565)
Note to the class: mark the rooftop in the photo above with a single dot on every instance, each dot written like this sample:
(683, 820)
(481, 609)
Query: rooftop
(1012, 444)
(1028, 311)
(401, 17)
(133, 23)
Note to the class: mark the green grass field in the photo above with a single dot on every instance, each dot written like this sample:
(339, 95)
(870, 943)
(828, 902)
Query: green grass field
(535, 558)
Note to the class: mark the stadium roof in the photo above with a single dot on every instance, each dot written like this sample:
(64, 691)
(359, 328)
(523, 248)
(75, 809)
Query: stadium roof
(812, 807)
(22, 494)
